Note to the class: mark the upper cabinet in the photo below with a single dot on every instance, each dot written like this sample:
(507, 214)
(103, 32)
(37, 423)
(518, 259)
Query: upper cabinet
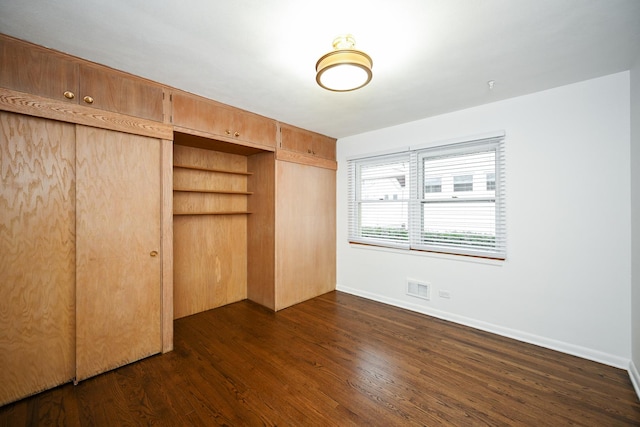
(111, 90)
(227, 123)
(307, 142)
(39, 71)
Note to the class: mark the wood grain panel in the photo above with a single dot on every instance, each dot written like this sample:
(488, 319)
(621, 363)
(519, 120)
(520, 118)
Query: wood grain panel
(307, 142)
(210, 262)
(305, 232)
(210, 252)
(32, 69)
(254, 128)
(209, 159)
(120, 93)
(231, 124)
(304, 159)
(118, 292)
(37, 106)
(261, 230)
(37, 245)
(167, 245)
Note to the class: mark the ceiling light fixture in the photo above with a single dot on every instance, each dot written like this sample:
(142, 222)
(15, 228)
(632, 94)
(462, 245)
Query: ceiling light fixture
(345, 68)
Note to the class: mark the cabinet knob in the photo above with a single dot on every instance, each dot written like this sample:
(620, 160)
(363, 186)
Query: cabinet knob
(88, 99)
(228, 132)
(153, 254)
(69, 95)
(236, 134)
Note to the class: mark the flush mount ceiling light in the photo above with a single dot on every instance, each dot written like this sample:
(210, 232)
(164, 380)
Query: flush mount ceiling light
(345, 68)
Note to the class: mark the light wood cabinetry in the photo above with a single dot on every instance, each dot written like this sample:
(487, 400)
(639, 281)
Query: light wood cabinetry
(305, 236)
(100, 213)
(210, 228)
(36, 70)
(110, 90)
(39, 71)
(37, 244)
(306, 142)
(80, 279)
(118, 267)
(221, 121)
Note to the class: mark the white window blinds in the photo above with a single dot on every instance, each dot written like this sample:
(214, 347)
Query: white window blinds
(447, 199)
(379, 200)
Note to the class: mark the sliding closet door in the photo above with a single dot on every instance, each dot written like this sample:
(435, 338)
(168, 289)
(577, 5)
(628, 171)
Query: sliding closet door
(118, 265)
(37, 245)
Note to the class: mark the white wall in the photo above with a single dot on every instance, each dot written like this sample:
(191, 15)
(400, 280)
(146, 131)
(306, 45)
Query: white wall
(635, 228)
(566, 283)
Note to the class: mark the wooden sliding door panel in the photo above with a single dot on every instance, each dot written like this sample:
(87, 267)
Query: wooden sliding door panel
(118, 264)
(37, 245)
(305, 232)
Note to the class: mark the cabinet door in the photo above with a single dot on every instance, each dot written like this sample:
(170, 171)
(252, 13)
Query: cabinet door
(253, 128)
(201, 114)
(37, 245)
(35, 70)
(113, 91)
(204, 115)
(118, 284)
(324, 147)
(305, 232)
(306, 142)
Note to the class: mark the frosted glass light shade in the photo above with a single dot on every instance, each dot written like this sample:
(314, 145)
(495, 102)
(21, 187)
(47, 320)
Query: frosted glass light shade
(344, 69)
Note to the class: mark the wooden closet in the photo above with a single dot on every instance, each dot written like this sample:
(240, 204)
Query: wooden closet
(125, 204)
(83, 220)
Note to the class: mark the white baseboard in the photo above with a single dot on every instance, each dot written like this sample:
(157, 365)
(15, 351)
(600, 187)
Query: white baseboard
(635, 377)
(574, 350)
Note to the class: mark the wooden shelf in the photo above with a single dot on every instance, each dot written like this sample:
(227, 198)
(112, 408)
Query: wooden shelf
(191, 190)
(213, 213)
(199, 168)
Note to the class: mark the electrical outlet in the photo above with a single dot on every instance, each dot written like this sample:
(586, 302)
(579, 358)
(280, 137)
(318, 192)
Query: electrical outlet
(444, 294)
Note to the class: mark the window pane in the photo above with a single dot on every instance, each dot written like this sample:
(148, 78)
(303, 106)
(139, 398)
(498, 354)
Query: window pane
(463, 183)
(384, 181)
(382, 201)
(491, 181)
(388, 221)
(458, 224)
(433, 185)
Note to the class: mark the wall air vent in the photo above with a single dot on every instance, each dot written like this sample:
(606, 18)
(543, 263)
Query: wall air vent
(418, 289)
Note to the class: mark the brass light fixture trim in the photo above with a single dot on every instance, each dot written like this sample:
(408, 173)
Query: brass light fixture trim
(345, 68)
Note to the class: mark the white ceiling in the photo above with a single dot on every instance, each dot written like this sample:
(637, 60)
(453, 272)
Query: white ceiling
(429, 56)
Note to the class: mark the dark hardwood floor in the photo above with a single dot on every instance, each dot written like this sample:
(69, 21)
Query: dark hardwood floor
(339, 360)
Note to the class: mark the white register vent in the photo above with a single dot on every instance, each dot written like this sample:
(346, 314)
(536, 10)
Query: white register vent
(419, 289)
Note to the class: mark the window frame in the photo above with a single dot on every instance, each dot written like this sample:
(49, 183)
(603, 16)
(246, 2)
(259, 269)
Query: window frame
(493, 247)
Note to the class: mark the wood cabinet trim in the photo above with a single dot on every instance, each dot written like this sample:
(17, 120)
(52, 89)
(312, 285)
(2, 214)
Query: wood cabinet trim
(37, 106)
(305, 159)
(213, 140)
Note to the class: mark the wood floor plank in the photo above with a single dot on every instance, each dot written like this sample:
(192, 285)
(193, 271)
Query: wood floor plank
(339, 360)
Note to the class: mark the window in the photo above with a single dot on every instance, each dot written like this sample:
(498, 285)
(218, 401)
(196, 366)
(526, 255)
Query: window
(491, 181)
(375, 217)
(432, 185)
(448, 199)
(463, 183)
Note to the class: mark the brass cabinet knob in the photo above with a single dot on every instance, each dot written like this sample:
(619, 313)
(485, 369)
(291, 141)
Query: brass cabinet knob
(236, 134)
(228, 132)
(69, 95)
(88, 99)
(153, 253)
